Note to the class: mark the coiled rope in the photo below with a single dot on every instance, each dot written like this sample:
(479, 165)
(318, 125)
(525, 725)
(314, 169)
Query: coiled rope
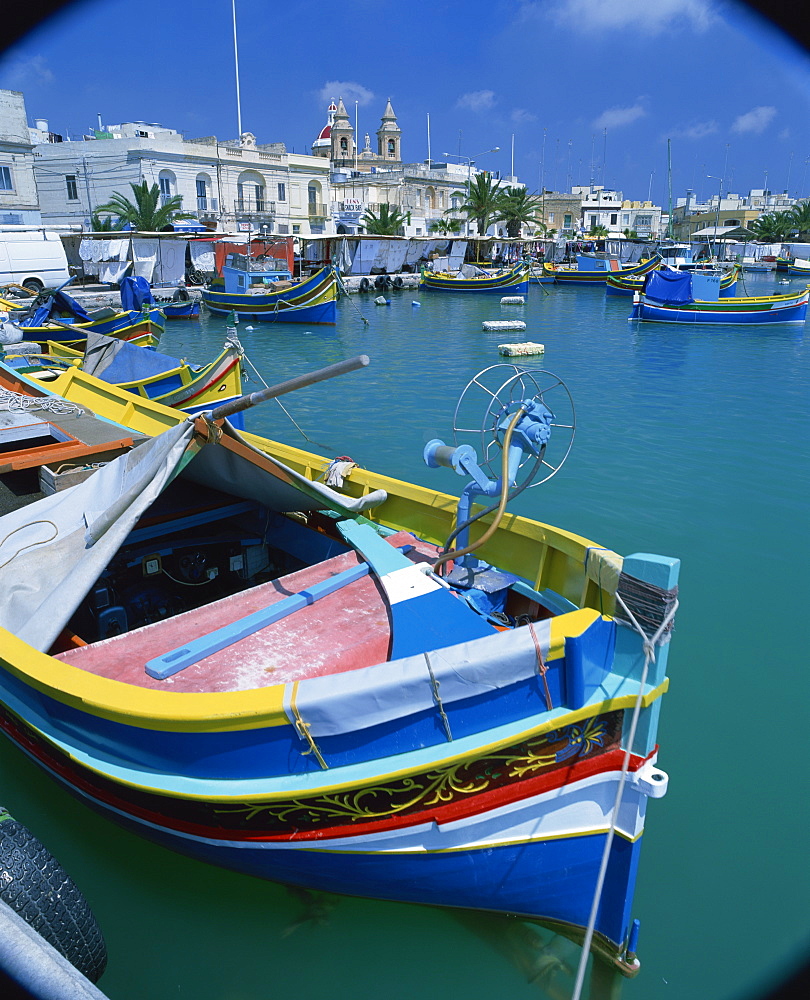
(649, 645)
(19, 402)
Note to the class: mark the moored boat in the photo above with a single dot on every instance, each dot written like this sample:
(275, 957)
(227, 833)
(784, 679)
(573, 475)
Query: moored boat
(798, 267)
(513, 280)
(468, 718)
(189, 309)
(262, 288)
(668, 298)
(584, 272)
(146, 373)
(628, 286)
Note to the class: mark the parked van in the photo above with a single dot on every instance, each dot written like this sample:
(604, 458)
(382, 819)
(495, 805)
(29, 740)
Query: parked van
(34, 258)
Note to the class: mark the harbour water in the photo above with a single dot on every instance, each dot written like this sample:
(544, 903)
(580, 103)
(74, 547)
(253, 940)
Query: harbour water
(690, 442)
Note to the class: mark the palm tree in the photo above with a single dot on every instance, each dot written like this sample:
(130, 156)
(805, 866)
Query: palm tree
(146, 214)
(630, 234)
(516, 207)
(445, 226)
(106, 225)
(597, 231)
(773, 226)
(800, 219)
(481, 204)
(389, 222)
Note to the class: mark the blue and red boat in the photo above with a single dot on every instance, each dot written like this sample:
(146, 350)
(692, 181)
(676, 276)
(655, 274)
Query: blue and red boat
(669, 297)
(262, 288)
(382, 691)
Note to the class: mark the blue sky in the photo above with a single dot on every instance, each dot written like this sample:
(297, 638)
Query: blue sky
(591, 90)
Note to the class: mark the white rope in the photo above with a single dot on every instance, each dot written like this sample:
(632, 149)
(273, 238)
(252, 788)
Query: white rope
(19, 402)
(649, 657)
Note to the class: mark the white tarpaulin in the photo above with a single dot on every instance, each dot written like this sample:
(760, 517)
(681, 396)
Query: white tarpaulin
(370, 696)
(53, 550)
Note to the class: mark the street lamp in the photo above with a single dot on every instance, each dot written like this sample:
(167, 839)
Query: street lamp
(470, 160)
(719, 195)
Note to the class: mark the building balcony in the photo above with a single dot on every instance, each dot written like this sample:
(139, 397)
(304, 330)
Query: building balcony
(254, 207)
(317, 210)
(207, 206)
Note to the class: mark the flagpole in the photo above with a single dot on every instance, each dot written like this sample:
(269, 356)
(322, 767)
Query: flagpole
(236, 62)
(428, 140)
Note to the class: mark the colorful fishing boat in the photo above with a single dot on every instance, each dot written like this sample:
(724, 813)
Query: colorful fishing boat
(470, 278)
(467, 718)
(799, 267)
(55, 315)
(629, 286)
(183, 309)
(146, 373)
(594, 270)
(262, 288)
(668, 298)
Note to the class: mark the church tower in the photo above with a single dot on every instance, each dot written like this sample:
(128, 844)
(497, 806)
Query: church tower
(389, 136)
(342, 136)
(323, 144)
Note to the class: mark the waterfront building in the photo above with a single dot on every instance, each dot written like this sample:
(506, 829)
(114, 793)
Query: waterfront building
(226, 185)
(19, 201)
(601, 206)
(724, 212)
(363, 179)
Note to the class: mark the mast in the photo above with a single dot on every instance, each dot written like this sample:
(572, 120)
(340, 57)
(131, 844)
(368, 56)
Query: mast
(669, 186)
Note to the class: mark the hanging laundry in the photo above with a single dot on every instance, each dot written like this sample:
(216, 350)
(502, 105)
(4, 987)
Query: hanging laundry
(144, 257)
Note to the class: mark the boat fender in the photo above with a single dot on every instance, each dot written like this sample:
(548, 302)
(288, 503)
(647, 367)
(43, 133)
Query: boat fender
(382, 281)
(365, 284)
(398, 282)
(35, 886)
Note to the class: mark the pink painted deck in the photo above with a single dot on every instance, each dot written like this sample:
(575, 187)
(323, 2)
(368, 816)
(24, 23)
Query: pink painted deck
(344, 631)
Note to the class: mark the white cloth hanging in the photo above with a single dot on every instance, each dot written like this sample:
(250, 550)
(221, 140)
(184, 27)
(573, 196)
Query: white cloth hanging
(202, 256)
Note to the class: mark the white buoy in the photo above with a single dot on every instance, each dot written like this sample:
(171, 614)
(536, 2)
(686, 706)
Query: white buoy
(248, 328)
(512, 300)
(503, 324)
(517, 350)
(417, 304)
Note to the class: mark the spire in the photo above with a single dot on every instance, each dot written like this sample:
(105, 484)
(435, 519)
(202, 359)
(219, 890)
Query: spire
(388, 114)
(341, 113)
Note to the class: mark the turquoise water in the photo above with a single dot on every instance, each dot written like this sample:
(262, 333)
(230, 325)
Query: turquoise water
(690, 442)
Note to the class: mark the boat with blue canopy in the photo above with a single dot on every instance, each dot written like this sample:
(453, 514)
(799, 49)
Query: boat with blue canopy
(693, 297)
(595, 268)
(629, 286)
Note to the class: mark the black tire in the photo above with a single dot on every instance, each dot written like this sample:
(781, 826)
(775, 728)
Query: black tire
(33, 285)
(365, 284)
(38, 889)
(382, 281)
(398, 282)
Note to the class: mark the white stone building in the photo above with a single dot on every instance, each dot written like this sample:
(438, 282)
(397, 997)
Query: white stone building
(601, 206)
(19, 204)
(226, 185)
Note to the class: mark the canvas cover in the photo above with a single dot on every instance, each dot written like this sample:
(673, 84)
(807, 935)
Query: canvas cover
(372, 696)
(135, 292)
(53, 551)
(117, 362)
(673, 287)
(57, 305)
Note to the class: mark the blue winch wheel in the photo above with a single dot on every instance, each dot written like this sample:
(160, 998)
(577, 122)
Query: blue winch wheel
(38, 889)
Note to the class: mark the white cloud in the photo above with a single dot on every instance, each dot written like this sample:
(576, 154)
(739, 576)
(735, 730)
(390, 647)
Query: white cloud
(697, 130)
(650, 18)
(332, 90)
(616, 117)
(520, 116)
(756, 120)
(26, 71)
(477, 100)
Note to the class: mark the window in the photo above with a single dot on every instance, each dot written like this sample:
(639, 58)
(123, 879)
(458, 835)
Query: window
(625, 218)
(5, 179)
(567, 221)
(296, 229)
(165, 186)
(344, 145)
(141, 134)
(614, 218)
(593, 221)
(201, 189)
(392, 148)
(72, 191)
(259, 197)
(282, 192)
(550, 216)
